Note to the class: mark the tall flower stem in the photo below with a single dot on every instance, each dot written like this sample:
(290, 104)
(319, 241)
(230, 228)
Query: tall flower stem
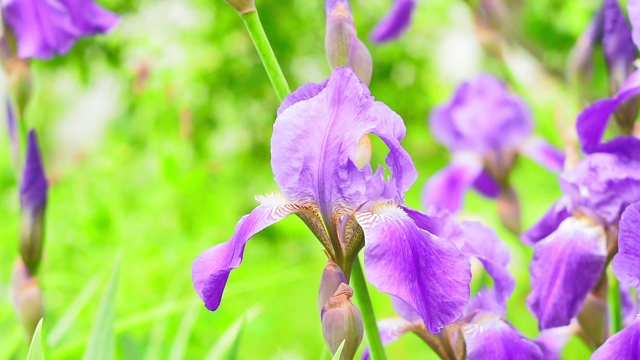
(254, 26)
(616, 305)
(361, 294)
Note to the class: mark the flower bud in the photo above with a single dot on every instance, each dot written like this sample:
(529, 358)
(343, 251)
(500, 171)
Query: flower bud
(19, 83)
(509, 210)
(243, 6)
(342, 321)
(342, 44)
(27, 298)
(33, 200)
(593, 319)
(332, 277)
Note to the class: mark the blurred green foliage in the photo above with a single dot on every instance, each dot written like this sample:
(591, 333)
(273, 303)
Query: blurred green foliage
(156, 138)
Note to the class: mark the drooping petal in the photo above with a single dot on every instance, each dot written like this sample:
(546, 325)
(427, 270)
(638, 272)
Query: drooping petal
(33, 185)
(390, 330)
(549, 222)
(427, 272)
(626, 263)
(553, 341)
(211, 269)
(43, 28)
(543, 153)
(566, 265)
(592, 121)
(89, 17)
(487, 185)
(314, 144)
(482, 117)
(489, 337)
(304, 92)
(602, 185)
(395, 23)
(633, 8)
(622, 345)
(446, 188)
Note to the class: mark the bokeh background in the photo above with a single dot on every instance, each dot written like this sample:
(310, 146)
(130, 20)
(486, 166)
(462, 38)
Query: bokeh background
(156, 139)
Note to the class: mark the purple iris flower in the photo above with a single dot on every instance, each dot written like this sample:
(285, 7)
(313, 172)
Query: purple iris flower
(571, 242)
(485, 127)
(480, 332)
(346, 204)
(395, 23)
(626, 343)
(45, 28)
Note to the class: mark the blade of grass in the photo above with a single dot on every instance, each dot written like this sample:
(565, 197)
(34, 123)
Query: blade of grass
(228, 344)
(35, 349)
(184, 332)
(102, 340)
(338, 353)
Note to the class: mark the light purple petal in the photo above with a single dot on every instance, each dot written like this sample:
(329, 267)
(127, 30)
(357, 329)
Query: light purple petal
(395, 23)
(33, 185)
(43, 28)
(602, 185)
(623, 345)
(211, 269)
(487, 185)
(427, 272)
(12, 129)
(489, 337)
(544, 154)
(629, 304)
(553, 341)
(633, 8)
(617, 45)
(549, 222)
(446, 188)
(390, 330)
(482, 117)
(592, 121)
(626, 263)
(314, 142)
(304, 92)
(565, 267)
(89, 17)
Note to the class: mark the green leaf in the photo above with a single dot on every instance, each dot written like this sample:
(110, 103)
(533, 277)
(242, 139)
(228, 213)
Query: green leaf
(228, 344)
(35, 349)
(102, 341)
(182, 336)
(338, 353)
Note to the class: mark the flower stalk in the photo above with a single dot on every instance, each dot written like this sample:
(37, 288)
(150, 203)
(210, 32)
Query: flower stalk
(359, 285)
(268, 58)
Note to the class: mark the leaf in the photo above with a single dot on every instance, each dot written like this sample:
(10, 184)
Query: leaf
(102, 342)
(35, 349)
(182, 336)
(66, 321)
(228, 344)
(338, 353)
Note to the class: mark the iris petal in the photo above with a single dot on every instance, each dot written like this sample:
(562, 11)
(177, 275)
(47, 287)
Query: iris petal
(89, 17)
(446, 188)
(625, 263)
(622, 345)
(395, 23)
(211, 269)
(489, 337)
(549, 222)
(425, 271)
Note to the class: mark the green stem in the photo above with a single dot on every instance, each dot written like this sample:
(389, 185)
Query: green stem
(359, 285)
(616, 307)
(252, 21)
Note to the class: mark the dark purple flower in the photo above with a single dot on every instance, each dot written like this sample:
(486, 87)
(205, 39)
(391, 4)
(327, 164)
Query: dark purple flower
(346, 203)
(45, 28)
(395, 23)
(485, 127)
(617, 45)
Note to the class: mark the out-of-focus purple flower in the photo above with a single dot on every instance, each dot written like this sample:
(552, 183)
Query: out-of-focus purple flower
(485, 127)
(342, 44)
(622, 345)
(553, 341)
(633, 8)
(313, 157)
(33, 200)
(395, 23)
(45, 28)
(12, 129)
(570, 242)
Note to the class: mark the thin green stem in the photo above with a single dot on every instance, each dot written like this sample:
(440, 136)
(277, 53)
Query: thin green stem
(361, 294)
(616, 305)
(254, 26)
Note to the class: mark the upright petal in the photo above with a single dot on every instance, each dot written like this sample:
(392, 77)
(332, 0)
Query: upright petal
(549, 222)
(626, 263)
(89, 17)
(565, 267)
(446, 188)
(633, 8)
(395, 23)
(314, 144)
(489, 337)
(592, 121)
(211, 269)
(427, 272)
(543, 153)
(623, 345)
(43, 28)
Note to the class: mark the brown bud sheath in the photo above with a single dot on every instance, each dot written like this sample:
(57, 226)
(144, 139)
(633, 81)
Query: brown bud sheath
(243, 6)
(27, 298)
